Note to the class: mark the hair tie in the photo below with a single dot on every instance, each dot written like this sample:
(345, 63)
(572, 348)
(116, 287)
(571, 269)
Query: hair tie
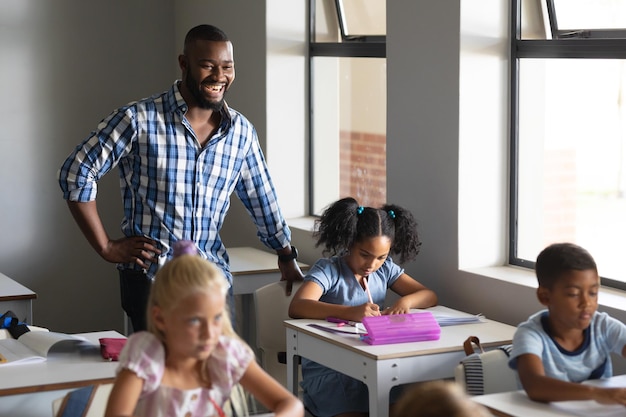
(184, 247)
(392, 214)
(359, 210)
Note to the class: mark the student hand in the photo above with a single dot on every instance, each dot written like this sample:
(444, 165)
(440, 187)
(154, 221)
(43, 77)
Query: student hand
(135, 249)
(400, 307)
(365, 310)
(610, 396)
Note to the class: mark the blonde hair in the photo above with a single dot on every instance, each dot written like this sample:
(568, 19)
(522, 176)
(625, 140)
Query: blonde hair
(180, 277)
(437, 399)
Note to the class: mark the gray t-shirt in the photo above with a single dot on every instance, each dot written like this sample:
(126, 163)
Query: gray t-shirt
(591, 361)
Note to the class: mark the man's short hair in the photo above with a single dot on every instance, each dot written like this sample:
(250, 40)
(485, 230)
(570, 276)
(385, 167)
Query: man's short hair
(560, 258)
(205, 33)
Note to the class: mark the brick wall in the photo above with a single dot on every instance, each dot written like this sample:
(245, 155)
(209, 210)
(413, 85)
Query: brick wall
(363, 169)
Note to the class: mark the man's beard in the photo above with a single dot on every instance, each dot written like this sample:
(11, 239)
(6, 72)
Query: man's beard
(195, 88)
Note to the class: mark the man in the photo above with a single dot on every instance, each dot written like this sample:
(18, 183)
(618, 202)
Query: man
(180, 155)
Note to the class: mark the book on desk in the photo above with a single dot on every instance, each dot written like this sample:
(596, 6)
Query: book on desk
(35, 345)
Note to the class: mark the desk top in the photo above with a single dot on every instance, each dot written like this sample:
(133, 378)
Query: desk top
(517, 404)
(248, 260)
(12, 290)
(491, 333)
(67, 370)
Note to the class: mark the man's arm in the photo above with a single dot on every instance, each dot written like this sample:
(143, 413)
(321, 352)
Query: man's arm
(289, 269)
(137, 249)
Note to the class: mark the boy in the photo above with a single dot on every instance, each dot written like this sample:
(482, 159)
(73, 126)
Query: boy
(570, 342)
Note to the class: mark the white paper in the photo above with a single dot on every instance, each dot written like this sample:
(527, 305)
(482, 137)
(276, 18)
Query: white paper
(35, 346)
(41, 342)
(590, 408)
(445, 319)
(593, 408)
(15, 352)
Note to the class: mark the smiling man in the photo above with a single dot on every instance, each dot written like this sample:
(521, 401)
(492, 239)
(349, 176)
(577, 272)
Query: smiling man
(180, 155)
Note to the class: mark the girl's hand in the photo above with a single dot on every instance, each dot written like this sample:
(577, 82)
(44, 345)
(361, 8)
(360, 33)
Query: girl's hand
(400, 307)
(365, 310)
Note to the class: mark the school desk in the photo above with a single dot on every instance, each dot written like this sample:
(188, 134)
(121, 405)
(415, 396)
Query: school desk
(29, 389)
(17, 298)
(517, 404)
(381, 367)
(252, 269)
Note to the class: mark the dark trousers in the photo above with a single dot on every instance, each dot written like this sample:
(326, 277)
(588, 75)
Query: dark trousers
(134, 290)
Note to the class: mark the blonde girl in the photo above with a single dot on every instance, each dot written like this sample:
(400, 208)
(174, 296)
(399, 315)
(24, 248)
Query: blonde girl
(190, 358)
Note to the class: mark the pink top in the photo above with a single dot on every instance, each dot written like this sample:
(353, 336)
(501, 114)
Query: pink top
(144, 355)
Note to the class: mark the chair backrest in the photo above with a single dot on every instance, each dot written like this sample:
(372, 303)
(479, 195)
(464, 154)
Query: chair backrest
(271, 307)
(89, 401)
(487, 372)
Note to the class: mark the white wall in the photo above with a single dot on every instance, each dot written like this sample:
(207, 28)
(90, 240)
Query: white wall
(65, 65)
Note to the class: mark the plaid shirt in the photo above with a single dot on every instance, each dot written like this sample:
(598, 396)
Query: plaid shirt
(172, 188)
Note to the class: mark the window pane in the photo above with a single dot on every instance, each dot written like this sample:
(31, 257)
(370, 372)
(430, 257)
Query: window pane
(590, 14)
(360, 18)
(364, 17)
(572, 173)
(326, 23)
(534, 20)
(348, 130)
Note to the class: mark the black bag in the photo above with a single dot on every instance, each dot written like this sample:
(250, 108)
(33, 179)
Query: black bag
(15, 327)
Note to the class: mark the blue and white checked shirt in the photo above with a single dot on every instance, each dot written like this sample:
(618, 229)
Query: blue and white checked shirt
(172, 188)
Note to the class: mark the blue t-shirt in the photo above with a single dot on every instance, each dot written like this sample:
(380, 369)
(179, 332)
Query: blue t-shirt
(591, 360)
(341, 287)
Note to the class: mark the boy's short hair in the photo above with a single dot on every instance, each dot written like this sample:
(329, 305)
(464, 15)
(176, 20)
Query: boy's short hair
(559, 258)
(437, 398)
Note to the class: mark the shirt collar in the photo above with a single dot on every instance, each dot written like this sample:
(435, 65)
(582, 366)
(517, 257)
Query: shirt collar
(176, 101)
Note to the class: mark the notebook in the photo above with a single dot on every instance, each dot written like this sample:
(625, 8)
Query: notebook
(400, 328)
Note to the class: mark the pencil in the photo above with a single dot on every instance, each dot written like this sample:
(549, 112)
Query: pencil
(2, 358)
(367, 290)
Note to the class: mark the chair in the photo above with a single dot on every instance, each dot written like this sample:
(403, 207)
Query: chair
(89, 401)
(485, 372)
(271, 307)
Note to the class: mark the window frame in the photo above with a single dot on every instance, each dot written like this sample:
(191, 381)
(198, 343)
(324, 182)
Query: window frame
(354, 46)
(579, 33)
(587, 47)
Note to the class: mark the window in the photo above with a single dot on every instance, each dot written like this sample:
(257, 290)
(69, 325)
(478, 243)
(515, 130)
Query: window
(568, 130)
(348, 93)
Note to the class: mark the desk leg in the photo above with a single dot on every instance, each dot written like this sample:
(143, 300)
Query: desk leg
(292, 363)
(380, 377)
(379, 399)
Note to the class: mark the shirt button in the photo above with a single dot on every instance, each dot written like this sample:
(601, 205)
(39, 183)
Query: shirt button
(194, 397)
(188, 414)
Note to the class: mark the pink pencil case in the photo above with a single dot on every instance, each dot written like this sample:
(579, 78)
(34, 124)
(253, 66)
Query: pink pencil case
(111, 347)
(401, 328)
